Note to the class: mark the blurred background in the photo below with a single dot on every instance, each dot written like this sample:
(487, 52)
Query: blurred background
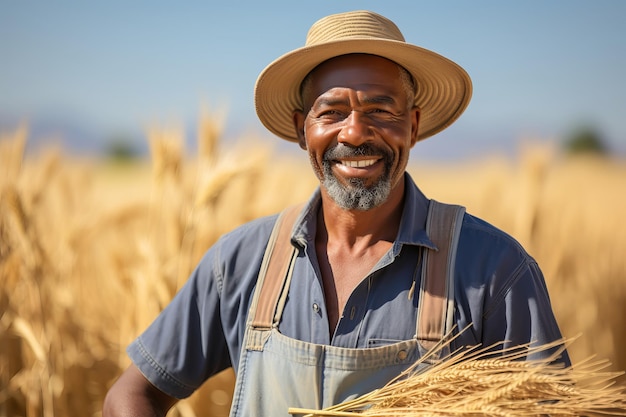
(129, 144)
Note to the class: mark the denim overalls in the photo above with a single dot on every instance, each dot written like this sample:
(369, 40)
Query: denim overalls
(277, 372)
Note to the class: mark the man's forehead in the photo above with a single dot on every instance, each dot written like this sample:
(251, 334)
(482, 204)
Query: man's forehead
(360, 72)
(364, 94)
(352, 60)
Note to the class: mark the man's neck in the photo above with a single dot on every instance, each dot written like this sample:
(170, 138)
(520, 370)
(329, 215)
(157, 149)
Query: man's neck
(349, 243)
(362, 227)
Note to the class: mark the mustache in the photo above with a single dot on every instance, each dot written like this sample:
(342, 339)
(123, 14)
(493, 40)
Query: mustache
(340, 150)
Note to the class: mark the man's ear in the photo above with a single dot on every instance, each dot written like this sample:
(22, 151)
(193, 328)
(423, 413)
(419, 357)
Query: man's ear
(298, 123)
(415, 122)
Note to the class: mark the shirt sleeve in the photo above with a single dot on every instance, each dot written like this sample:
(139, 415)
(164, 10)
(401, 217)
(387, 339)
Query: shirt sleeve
(185, 345)
(200, 332)
(521, 313)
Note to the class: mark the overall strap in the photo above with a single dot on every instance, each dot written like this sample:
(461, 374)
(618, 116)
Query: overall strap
(436, 300)
(276, 269)
(435, 314)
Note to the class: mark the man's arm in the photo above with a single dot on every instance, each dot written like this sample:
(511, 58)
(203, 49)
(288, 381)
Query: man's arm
(133, 395)
(521, 313)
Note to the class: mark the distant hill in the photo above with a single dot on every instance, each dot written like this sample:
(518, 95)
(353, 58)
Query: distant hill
(72, 136)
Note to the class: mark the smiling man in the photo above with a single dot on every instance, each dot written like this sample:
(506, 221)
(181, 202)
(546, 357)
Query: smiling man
(329, 301)
(358, 124)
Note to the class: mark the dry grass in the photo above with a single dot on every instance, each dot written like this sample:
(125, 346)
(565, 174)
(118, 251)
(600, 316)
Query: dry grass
(90, 253)
(568, 214)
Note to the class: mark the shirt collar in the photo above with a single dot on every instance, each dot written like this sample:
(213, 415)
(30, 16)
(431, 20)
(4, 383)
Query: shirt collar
(413, 224)
(412, 229)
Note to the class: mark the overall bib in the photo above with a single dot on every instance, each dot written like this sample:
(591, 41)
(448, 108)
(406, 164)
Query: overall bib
(277, 372)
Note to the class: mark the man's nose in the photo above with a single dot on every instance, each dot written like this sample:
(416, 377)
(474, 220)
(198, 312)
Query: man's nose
(356, 130)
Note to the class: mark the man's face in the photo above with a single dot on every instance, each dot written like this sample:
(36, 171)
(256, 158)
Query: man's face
(358, 128)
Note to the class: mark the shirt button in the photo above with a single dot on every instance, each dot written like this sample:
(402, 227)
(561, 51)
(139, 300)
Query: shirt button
(316, 307)
(402, 355)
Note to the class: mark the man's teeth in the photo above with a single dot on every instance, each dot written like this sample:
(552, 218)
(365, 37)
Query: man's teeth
(359, 164)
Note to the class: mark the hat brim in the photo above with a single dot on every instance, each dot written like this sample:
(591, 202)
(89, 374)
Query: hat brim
(443, 88)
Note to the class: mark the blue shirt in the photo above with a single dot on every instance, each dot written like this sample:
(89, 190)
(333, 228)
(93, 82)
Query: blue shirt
(499, 289)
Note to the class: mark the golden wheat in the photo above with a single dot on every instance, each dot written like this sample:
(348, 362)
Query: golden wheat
(475, 386)
(91, 252)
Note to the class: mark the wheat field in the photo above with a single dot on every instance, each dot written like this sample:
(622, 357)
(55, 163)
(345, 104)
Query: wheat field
(91, 251)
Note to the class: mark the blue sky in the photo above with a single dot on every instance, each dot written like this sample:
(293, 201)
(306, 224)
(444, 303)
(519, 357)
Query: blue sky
(540, 68)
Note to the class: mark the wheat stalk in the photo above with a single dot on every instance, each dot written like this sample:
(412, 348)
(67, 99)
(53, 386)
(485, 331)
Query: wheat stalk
(209, 132)
(469, 382)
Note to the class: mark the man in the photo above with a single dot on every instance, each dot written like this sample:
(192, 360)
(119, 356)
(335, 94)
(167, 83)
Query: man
(348, 314)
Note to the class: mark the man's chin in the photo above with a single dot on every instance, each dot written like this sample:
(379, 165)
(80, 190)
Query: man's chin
(357, 196)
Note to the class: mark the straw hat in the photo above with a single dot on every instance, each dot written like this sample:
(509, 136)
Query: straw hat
(443, 88)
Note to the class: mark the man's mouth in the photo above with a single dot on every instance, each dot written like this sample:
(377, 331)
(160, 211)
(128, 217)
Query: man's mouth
(361, 163)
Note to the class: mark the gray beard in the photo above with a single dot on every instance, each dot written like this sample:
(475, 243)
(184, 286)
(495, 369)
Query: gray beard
(355, 195)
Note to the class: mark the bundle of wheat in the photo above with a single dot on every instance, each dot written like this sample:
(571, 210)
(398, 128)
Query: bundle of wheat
(471, 382)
